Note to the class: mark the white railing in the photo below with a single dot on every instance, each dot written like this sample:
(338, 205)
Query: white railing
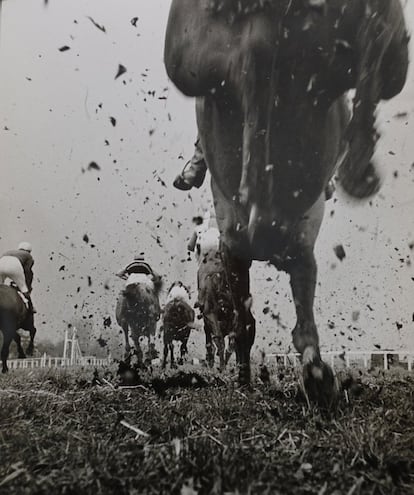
(335, 358)
(56, 362)
(293, 359)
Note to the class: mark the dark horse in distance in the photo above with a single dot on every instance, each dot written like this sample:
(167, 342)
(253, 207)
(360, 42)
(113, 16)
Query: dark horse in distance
(215, 299)
(14, 314)
(178, 319)
(270, 77)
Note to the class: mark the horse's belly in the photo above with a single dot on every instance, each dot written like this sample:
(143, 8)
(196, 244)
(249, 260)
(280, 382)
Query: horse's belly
(305, 144)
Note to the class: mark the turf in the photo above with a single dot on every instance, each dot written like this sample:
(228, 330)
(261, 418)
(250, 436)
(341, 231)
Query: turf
(67, 431)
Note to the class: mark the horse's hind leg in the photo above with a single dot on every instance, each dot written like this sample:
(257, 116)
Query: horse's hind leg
(218, 338)
(219, 342)
(237, 271)
(20, 351)
(209, 343)
(165, 357)
(7, 338)
(138, 351)
(125, 328)
(30, 347)
(171, 348)
(317, 376)
(183, 350)
(230, 347)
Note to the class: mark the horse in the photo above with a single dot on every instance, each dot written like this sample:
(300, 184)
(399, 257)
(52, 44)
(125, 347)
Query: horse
(270, 79)
(14, 314)
(138, 310)
(214, 298)
(178, 319)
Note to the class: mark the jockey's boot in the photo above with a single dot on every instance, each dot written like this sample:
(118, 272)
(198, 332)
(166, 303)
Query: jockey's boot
(32, 309)
(193, 172)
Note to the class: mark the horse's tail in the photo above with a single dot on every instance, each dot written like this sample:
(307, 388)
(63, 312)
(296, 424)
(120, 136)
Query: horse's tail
(217, 298)
(178, 313)
(137, 299)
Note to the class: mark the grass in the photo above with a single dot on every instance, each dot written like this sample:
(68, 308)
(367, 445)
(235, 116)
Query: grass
(73, 431)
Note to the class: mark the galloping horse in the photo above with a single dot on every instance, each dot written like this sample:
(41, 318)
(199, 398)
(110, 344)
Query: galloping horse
(14, 315)
(214, 298)
(269, 77)
(178, 319)
(138, 310)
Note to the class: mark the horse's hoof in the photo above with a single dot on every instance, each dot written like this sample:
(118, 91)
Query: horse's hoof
(319, 383)
(362, 186)
(5, 370)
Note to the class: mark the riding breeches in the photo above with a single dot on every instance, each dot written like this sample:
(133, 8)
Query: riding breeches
(10, 267)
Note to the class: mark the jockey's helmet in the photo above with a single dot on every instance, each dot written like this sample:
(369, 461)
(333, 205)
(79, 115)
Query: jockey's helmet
(25, 246)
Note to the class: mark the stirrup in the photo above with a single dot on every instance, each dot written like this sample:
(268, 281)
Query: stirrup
(184, 184)
(181, 184)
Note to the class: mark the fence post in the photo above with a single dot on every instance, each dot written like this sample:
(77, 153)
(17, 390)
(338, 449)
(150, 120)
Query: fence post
(385, 361)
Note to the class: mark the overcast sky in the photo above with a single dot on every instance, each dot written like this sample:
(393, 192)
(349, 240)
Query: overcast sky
(55, 118)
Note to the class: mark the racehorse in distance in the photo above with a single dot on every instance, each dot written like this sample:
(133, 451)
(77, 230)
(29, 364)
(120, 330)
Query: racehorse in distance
(214, 298)
(138, 311)
(178, 319)
(14, 314)
(270, 77)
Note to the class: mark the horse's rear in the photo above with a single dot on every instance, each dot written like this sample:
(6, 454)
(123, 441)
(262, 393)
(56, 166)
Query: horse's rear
(216, 305)
(14, 315)
(178, 319)
(269, 80)
(137, 311)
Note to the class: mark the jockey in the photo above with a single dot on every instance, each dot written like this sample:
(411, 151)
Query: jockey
(200, 226)
(206, 236)
(17, 265)
(194, 171)
(139, 269)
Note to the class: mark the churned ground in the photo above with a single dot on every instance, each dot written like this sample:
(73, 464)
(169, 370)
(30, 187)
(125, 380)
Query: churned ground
(76, 431)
